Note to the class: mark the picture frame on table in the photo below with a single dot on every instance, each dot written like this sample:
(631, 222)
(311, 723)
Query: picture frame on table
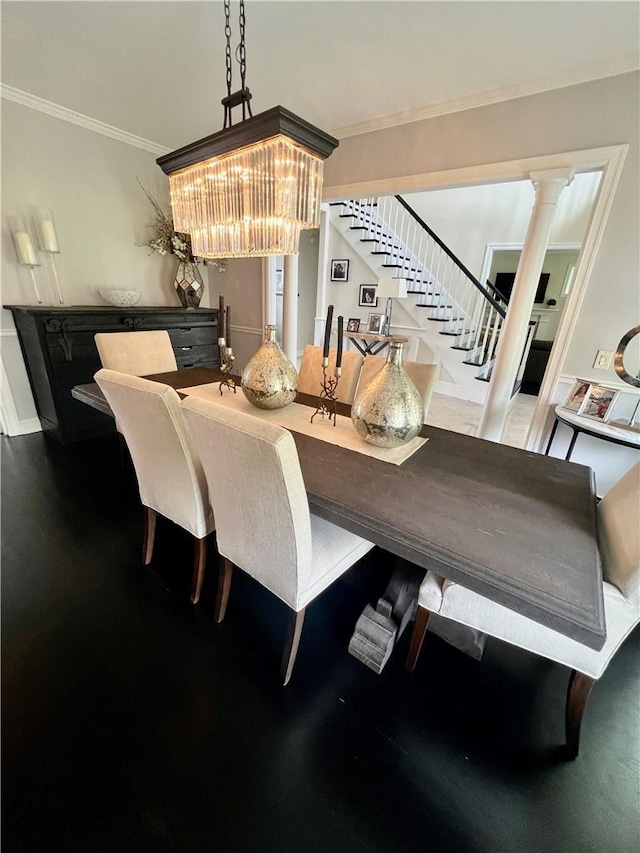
(375, 325)
(599, 403)
(367, 296)
(578, 395)
(353, 324)
(340, 269)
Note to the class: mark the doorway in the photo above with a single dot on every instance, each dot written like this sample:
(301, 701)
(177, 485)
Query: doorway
(554, 287)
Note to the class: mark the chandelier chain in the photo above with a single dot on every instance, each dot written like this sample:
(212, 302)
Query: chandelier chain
(242, 58)
(227, 32)
(243, 96)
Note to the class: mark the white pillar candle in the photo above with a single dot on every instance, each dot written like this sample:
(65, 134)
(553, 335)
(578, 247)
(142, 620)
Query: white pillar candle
(24, 246)
(49, 236)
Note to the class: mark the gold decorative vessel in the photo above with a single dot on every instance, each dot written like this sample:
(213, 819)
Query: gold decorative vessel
(389, 410)
(270, 381)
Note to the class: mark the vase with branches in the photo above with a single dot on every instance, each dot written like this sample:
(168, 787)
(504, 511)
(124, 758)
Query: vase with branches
(165, 240)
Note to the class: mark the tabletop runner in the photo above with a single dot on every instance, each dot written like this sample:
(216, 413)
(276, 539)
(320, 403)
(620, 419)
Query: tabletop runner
(298, 418)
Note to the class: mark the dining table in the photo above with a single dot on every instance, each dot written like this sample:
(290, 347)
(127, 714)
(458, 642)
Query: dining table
(514, 526)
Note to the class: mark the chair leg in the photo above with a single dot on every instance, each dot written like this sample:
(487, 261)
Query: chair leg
(225, 573)
(199, 565)
(579, 689)
(149, 534)
(291, 646)
(417, 637)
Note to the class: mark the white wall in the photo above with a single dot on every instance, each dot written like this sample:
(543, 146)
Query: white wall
(307, 286)
(591, 115)
(241, 285)
(89, 181)
(468, 218)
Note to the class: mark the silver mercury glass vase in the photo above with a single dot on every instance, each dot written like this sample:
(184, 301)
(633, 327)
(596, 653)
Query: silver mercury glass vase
(389, 410)
(270, 381)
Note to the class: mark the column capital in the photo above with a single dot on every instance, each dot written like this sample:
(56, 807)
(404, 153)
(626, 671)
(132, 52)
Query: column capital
(549, 184)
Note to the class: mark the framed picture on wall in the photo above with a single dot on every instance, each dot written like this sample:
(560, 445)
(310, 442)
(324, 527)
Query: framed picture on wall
(368, 295)
(353, 324)
(598, 403)
(340, 270)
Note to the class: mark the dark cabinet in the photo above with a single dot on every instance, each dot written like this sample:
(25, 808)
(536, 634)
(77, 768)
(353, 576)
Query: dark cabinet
(59, 352)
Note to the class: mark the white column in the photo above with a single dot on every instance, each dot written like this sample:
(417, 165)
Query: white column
(269, 291)
(323, 267)
(290, 308)
(548, 186)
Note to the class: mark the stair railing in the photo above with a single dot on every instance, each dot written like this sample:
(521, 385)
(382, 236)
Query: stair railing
(472, 311)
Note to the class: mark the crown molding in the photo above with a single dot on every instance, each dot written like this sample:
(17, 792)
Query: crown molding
(57, 111)
(495, 96)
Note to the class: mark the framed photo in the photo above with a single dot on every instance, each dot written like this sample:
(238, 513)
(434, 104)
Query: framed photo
(353, 324)
(340, 270)
(579, 393)
(599, 401)
(376, 324)
(368, 295)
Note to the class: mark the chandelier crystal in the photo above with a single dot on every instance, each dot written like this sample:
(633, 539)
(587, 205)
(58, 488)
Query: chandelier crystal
(248, 190)
(249, 202)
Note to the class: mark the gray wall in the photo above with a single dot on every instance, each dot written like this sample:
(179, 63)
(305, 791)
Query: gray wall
(590, 115)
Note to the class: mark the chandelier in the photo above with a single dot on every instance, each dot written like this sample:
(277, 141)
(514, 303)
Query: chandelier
(248, 190)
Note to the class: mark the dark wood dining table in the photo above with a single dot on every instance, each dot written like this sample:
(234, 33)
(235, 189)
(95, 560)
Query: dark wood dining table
(512, 525)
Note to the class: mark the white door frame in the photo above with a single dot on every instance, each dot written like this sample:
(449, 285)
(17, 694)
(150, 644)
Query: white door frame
(609, 160)
(517, 247)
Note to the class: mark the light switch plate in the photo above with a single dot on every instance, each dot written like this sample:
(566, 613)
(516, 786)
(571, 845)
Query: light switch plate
(603, 359)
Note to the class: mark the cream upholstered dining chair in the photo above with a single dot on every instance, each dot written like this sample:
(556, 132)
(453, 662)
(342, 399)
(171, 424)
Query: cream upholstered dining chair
(170, 476)
(618, 518)
(423, 376)
(137, 353)
(263, 523)
(310, 373)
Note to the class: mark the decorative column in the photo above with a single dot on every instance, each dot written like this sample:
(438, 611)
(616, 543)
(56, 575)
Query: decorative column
(513, 334)
(290, 308)
(269, 291)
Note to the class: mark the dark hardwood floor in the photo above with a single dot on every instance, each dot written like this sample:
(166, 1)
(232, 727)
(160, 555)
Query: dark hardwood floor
(133, 722)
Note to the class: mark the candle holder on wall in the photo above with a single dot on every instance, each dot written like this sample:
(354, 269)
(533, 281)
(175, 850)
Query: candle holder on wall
(48, 243)
(328, 395)
(25, 250)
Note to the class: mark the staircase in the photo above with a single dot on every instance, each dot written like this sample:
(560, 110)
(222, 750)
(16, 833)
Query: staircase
(447, 303)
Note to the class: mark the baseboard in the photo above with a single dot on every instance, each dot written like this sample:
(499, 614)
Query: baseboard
(27, 426)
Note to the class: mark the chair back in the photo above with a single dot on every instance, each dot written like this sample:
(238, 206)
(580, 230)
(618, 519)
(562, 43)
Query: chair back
(423, 376)
(257, 493)
(619, 534)
(136, 353)
(170, 476)
(310, 373)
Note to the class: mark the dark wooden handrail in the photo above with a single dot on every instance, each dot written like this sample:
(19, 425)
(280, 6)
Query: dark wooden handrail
(483, 290)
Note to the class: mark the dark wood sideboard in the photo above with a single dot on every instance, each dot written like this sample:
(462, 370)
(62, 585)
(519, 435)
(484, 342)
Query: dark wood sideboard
(59, 352)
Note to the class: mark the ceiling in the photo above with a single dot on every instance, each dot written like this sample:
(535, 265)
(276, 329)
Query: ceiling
(156, 69)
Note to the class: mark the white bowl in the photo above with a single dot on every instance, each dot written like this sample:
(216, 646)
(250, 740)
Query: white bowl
(121, 298)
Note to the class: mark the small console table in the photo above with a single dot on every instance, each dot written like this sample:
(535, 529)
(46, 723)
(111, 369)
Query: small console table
(615, 433)
(369, 343)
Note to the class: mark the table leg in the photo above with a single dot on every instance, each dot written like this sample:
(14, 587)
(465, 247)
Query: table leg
(377, 631)
(358, 346)
(572, 443)
(551, 437)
